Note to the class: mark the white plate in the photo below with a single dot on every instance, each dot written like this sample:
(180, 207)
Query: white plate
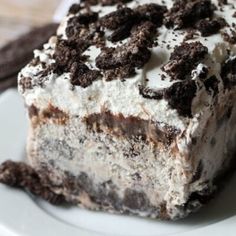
(22, 215)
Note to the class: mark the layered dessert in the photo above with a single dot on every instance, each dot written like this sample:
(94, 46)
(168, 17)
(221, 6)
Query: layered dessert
(132, 105)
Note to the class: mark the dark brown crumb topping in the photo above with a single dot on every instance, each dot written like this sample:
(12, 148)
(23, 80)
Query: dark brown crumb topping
(122, 20)
(134, 53)
(150, 93)
(25, 83)
(183, 60)
(86, 29)
(119, 73)
(75, 8)
(68, 55)
(191, 34)
(117, 18)
(89, 34)
(151, 12)
(121, 33)
(179, 96)
(185, 13)
(21, 175)
(86, 18)
(228, 72)
(209, 27)
(230, 37)
(211, 85)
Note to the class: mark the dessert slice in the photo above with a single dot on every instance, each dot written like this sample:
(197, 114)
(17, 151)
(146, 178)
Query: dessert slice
(132, 105)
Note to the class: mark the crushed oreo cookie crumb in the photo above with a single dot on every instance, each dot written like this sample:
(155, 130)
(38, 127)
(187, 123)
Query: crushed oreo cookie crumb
(120, 73)
(185, 13)
(86, 79)
(25, 83)
(211, 84)
(180, 96)
(117, 18)
(203, 73)
(209, 27)
(21, 175)
(124, 19)
(121, 33)
(228, 72)
(151, 12)
(190, 34)
(90, 33)
(230, 37)
(67, 53)
(75, 8)
(183, 60)
(134, 53)
(69, 58)
(150, 93)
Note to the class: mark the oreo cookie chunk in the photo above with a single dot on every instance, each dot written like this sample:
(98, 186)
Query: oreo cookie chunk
(21, 175)
(185, 13)
(16, 54)
(209, 27)
(184, 58)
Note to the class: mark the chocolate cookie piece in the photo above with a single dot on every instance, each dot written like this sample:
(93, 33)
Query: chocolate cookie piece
(134, 52)
(211, 85)
(19, 52)
(185, 13)
(117, 18)
(209, 27)
(21, 175)
(86, 79)
(151, 12)
(184, 58)
(75, 8)
(90, 32)
(150, 93)
(124, 19)
(228, 72)
(69, 58)
(230, 37)
(121, 33)
(180, 96)
(119, 73)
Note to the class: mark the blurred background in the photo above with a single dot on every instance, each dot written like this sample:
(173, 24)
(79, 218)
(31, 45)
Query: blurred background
(24, 26)
(17, 16)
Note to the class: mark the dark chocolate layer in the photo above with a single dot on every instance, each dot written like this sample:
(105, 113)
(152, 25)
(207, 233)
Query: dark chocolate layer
(131, 127)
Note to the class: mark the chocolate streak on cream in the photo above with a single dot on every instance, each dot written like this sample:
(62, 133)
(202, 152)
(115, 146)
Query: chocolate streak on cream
(51, 113)
(131, 127)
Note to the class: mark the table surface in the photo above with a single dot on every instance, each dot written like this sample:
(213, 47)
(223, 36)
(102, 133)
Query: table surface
(17, 16)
